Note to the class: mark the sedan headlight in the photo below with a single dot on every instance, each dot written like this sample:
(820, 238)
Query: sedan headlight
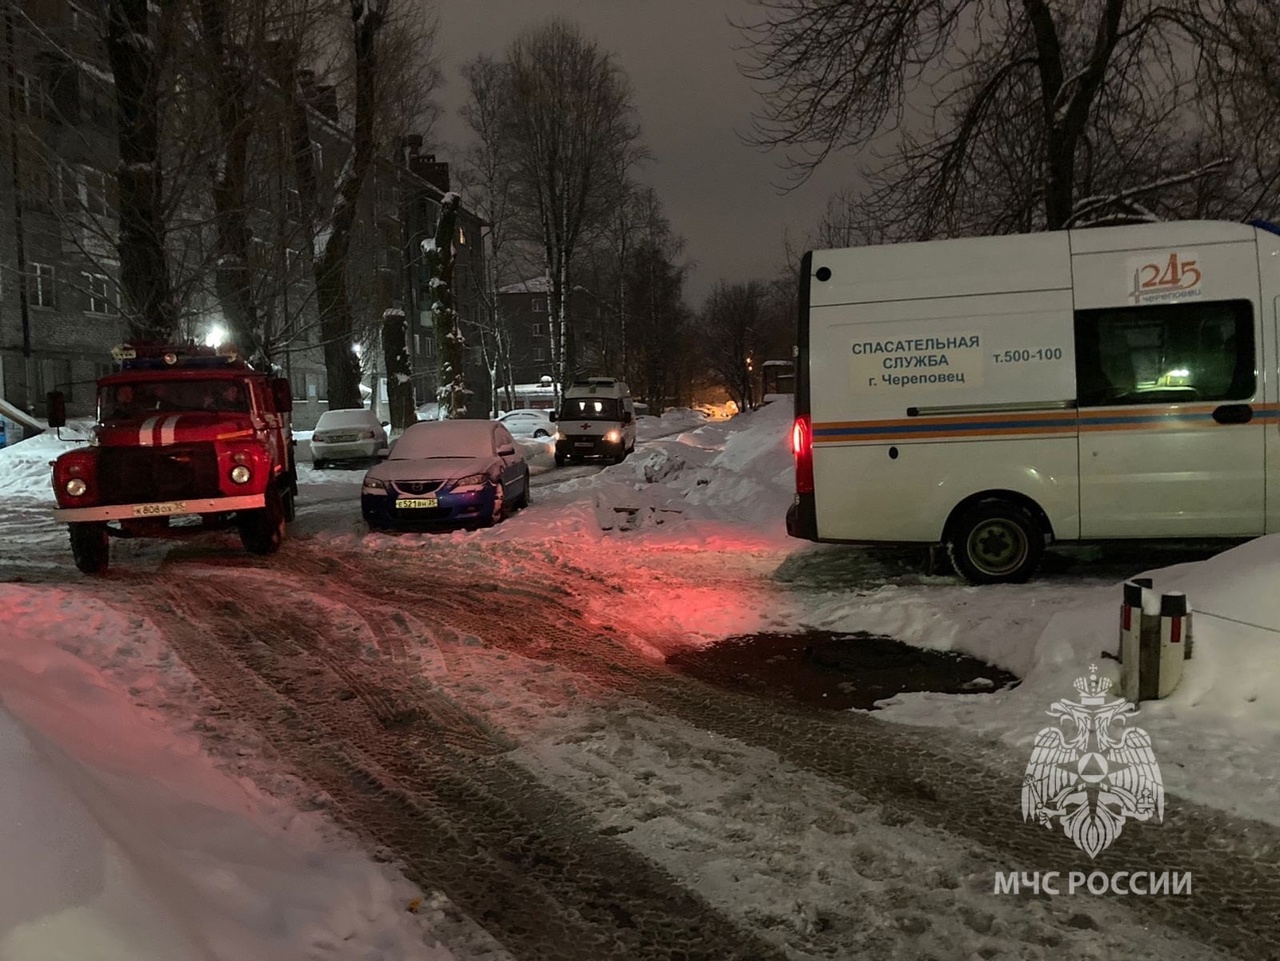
(471, 480)
(373, 484)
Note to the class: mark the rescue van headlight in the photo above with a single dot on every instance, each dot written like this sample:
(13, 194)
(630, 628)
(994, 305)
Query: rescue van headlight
(76, 487)
(613, 437)
(240, 474)
(560, 435)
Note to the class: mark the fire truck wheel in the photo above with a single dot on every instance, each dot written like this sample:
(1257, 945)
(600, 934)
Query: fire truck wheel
(262, 530)
(996, 542)
(90, 547)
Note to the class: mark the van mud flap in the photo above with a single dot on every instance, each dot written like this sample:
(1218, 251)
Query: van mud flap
(802, 518)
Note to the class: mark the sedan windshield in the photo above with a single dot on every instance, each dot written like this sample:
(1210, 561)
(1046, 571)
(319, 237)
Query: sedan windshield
(589, 408)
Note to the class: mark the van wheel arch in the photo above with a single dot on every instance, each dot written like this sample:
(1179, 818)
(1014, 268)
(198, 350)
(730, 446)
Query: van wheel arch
(1004, 512)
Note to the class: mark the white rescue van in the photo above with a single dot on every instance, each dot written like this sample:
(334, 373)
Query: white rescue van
(996, 394)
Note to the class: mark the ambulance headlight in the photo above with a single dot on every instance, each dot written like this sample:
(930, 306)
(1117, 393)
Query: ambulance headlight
(240, 474)
(613, 437)
(76, 487)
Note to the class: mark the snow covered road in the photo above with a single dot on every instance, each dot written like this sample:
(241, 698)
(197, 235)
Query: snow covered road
(492, 716)
(538, 764)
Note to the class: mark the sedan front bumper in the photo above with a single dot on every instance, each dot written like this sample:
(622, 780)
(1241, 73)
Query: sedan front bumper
(393, 509)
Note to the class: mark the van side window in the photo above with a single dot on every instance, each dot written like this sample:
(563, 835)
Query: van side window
(1165, 353)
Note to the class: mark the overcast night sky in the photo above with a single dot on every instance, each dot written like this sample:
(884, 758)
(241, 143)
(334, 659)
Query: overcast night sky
(680, 57)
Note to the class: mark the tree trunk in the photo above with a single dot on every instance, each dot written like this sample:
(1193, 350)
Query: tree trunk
(150, 309)
(452, 346)
(333, 252)
(233, 275)
(395, 349)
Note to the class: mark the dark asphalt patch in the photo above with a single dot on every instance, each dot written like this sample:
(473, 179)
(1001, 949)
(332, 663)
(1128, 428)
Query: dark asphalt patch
(837, 671)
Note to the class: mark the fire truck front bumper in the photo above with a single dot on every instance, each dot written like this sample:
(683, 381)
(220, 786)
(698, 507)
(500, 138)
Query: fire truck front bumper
(124, 512)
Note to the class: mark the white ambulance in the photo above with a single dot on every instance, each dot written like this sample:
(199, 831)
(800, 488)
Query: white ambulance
(996, 394)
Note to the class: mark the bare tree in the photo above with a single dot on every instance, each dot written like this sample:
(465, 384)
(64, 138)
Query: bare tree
(451, 343)
(730, 320)
(569, 122)
(136, 51)
(487, 173)
(1035, 107)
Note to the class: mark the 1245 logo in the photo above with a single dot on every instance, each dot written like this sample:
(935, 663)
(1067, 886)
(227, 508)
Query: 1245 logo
(1176, 277)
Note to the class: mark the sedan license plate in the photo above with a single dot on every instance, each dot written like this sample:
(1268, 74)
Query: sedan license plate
(160, 510)
(416, 502)
(584, 443)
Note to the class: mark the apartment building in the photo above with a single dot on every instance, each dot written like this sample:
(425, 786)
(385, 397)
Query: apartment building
(59, 295)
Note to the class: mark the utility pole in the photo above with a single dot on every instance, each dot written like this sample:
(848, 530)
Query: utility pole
(15, 168)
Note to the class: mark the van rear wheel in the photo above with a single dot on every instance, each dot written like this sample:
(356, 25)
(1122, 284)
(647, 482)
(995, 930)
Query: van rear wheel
(996, 542)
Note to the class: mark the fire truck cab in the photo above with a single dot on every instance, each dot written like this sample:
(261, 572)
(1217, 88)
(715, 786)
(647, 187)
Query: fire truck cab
(182, 431)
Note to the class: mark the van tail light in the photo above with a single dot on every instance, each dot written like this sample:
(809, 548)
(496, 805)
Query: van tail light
(75, 479)
(802, 448)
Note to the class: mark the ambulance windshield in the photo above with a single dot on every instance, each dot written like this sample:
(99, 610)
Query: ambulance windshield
(589, 408)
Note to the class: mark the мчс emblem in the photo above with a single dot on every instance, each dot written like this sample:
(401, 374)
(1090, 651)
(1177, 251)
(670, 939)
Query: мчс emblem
(1088, 778)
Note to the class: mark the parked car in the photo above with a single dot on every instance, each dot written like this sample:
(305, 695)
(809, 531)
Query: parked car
(346, 435)
(528, 423)
(467, 472)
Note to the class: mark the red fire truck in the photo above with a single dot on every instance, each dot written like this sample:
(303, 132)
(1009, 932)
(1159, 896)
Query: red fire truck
(181, 431)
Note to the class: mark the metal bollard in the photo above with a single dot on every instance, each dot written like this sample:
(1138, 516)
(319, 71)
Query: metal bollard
(1175, 638)
(1131, 632)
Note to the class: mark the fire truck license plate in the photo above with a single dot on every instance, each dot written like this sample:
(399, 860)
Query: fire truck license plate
(417, 502)
(154, 510)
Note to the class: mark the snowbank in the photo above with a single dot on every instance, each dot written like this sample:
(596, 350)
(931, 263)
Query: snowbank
(132, 841)
(25, 466)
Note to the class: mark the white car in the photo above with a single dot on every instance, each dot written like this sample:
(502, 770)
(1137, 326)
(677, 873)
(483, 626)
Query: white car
(528, 423)
(347, 435)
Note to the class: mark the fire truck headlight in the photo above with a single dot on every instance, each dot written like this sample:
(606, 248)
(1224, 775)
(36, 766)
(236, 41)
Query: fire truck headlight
(240, 474)
(76, 487)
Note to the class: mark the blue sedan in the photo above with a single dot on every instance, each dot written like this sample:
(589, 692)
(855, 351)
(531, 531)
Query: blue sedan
(447, 472)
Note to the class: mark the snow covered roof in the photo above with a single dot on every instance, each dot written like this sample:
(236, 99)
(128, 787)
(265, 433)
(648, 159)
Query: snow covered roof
(535, 285)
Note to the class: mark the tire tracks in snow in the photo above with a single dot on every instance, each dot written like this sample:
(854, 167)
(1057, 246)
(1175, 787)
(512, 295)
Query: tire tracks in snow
(410, 770)
(941, 779)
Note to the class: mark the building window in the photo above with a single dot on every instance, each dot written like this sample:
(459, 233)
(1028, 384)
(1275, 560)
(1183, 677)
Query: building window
(30, 95)
(93, 192)
(1165, 354)
(41, 280)
(98, 287)
(538, 305)
(539, 354)
(535, 330)
(317, 152)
